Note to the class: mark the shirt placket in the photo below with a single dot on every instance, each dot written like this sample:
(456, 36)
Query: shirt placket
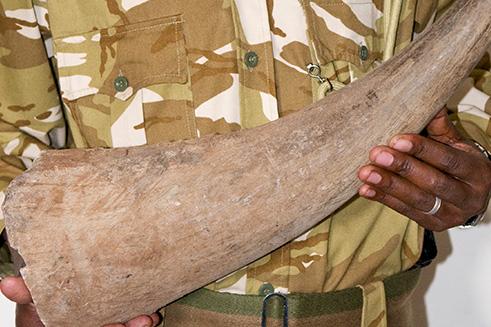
(258, 103)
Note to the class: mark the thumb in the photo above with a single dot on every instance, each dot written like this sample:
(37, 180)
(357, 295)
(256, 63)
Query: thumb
(15, 290)
(442, 129)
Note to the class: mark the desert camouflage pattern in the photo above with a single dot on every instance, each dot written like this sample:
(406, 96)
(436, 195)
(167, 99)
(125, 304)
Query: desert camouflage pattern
(188, 76)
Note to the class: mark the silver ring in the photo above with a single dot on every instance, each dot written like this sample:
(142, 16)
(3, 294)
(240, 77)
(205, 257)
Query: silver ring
(436, 206)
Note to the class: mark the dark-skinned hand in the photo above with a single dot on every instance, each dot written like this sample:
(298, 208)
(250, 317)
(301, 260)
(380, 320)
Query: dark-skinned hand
(15, 290)
(413, 170)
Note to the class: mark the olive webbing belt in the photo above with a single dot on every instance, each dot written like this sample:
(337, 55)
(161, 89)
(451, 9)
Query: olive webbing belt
(343, 308)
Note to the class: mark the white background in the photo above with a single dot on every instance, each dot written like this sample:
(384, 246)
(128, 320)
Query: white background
(6, 313)
(456, 291)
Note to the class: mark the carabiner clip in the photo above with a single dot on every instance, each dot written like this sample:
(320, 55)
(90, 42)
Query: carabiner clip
(314, 71)
(265, 305)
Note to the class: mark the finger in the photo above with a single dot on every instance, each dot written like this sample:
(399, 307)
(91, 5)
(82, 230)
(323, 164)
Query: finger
(442, 129)
(372, 193)
(423, 175)
(156, 319)
(431, 222)
(397, 187)
(152, 320)
(411, 194)
(445, 158)
(26, 316)
(140, 321)
(15, 290)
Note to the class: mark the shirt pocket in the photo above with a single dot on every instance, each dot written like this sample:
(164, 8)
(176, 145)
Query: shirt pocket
(349, 31)
(127, 85)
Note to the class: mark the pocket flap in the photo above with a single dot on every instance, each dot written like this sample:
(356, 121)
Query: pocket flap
(347, 30)
(119, 60)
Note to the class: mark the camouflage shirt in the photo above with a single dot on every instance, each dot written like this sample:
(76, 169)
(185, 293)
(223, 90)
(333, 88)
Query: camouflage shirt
(115, 73)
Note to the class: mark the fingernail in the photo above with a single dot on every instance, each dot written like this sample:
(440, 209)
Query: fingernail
(374, 178)
(363, 173)
(403, 145)
(366, 191)
(384, 159)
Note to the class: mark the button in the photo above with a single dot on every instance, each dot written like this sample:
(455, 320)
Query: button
(251, 59)
(266, 289)
(364, 53)
(121, 83)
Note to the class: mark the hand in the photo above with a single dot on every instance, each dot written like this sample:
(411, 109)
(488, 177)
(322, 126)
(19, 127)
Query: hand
(15, 290)
(413, 170)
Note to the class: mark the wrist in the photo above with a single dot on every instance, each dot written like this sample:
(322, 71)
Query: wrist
(477, 219)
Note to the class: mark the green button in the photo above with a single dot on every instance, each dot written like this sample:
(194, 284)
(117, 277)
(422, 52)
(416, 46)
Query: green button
(251, 59)
(364, 53)
(121, 83)
(266, 289)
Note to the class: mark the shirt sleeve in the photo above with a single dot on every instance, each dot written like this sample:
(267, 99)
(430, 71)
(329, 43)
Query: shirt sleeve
(31, 117)
(471, 104)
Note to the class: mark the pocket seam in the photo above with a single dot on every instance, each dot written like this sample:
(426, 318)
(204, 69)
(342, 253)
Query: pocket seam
(176, 20)
(176, 39)
(342, 3)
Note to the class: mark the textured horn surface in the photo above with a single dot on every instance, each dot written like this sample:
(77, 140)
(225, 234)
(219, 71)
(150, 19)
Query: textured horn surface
(110, 234)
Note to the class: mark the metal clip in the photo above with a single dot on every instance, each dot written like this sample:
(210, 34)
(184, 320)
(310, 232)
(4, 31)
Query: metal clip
(314, 71)
(265, 305)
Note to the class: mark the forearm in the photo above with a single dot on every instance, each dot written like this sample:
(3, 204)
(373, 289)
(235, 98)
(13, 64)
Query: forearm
(471, 105)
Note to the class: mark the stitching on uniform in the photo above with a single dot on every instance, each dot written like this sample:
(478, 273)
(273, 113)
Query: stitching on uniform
(59, 77)
(149, 27)
(310, 11)
(177, 19)
(188, 121)
(340, 3)
(328, 248)
(177, 52)
(271, 85)
(76, 118)
(268, 80)
(282, 264)
(187, 118)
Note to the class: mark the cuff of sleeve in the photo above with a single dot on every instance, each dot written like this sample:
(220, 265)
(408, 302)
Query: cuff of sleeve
(6, 265)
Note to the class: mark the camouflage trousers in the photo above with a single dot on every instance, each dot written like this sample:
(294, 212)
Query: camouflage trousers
(205, 308)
